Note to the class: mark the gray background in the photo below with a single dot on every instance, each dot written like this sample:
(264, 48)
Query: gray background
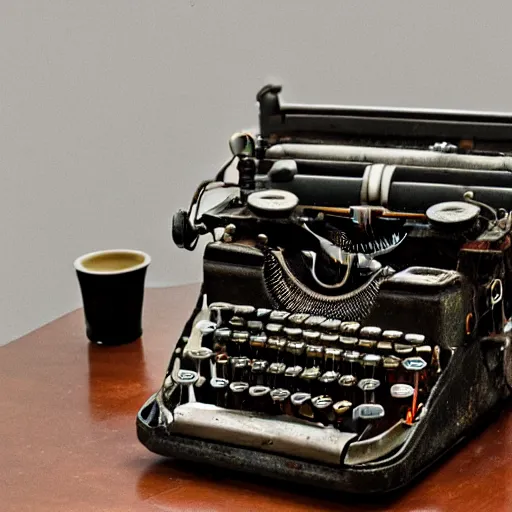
(112, 111)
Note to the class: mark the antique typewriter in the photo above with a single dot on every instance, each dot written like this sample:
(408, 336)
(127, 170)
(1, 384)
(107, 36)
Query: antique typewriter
(353, 321)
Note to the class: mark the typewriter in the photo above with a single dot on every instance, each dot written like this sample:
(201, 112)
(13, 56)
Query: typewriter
(353, 324)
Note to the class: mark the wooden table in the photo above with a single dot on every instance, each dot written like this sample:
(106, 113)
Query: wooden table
(68, 440)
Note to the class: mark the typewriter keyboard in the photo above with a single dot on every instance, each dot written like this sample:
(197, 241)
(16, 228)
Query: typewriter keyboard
(311, 367)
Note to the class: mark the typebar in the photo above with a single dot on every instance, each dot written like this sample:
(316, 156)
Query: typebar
(284, 435)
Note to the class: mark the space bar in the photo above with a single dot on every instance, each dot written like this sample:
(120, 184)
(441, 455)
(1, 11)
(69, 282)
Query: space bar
(277, 434)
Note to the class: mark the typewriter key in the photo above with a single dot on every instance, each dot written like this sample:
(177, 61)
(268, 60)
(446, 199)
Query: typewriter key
(273, 328)
(259, 391)
(238, 394)
(276, 343)
(293, 371)
(329, 339)
(237, 322)
(311, 336)
(322, 409)
(329, 377)
(301, 403)
(385, 347)
(392, 336)
(240, 336)
(279, 394)
(348, 341)
(424, 351)
(331, 325)
(255, 326)
(401, 391)
(349, 328)
(368, 412)
(222, 335)
(276, 368)
(414, 339)
(279, 316)
(402, 349)
(219, 387)
(298, 318)
(263, 314)
(244, 311)
(370, 332)
(187, 378)
(310, 374)
(341, 407)
(391, 362)
(371, 360)
(295, 347)
(293, 333)
(368, 384)
(258, 341)
(314, 321)
(347, 381)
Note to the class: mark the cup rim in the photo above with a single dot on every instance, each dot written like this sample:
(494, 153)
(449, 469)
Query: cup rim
(78, 263)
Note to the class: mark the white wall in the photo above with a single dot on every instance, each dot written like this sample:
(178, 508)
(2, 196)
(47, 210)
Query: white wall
(111, 111)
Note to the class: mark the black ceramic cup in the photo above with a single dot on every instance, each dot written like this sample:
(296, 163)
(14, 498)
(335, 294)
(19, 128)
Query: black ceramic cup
(112, 287)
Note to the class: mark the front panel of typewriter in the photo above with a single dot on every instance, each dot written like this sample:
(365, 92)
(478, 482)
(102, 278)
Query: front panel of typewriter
(353, 320)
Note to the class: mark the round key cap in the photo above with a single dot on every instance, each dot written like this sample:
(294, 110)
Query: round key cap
(297, 318)
(368, 384)
(349, 328)
(186, 377)
(368, 412)
(311, 336)
(348, 341)
(414, 339)
(218, 383)
(244, 310)
(276, 368)
(276, 343)
(295, 347)
(292, 333)
(341, 407)
(300, 398)
(293, 371)
(331, 325)
(321, 402)
(310, 373)
(199, 353)
(259, 366)
(237, 322)
(279, 394)
(279, 316)
(238, 387)
(239, 362)
(347, 381)
(240, 336)
(258, 391)
(392, 336)
(273, 328)
(401, 391)
(314, 321)
(328, 377)
(370, 332)
(371, 360)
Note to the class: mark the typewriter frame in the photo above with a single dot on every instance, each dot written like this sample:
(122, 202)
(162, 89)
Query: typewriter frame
(483, 364)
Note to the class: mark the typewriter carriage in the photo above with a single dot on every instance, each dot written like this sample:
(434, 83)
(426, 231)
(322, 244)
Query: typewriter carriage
(382, 208)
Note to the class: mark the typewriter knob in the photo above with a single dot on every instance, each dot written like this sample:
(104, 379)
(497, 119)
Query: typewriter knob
(272, 203)
(453, 215)
(184, 234)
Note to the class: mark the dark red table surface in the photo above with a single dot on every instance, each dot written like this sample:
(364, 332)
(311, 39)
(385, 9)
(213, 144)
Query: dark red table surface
(68, 440)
